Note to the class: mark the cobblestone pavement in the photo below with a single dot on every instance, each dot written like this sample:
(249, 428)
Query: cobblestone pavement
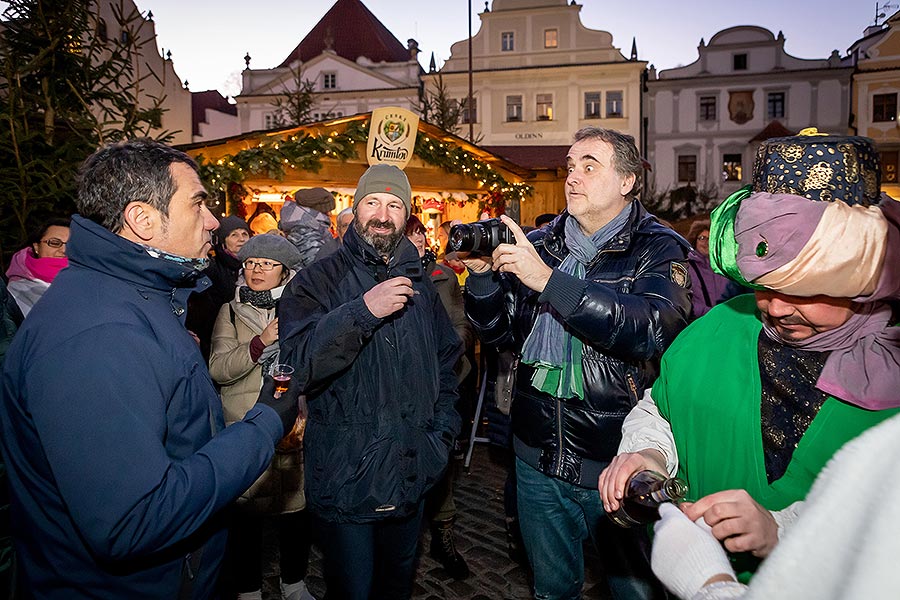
(481, 538)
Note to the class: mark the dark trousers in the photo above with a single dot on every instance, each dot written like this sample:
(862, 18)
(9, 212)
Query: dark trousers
(369, 561)
(245, 542)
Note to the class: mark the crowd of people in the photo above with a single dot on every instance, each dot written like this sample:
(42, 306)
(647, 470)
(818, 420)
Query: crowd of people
(149, 450)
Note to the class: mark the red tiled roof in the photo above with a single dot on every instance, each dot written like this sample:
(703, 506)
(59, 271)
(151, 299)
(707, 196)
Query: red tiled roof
(200, 101)
(772, 130)
(532, 157)
(540, 157)
(351, 30)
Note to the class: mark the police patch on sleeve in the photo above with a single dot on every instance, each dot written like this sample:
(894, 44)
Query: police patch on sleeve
(678, 274)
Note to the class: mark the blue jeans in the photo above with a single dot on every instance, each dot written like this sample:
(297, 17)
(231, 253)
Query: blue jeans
(556, 518)
(369, 561)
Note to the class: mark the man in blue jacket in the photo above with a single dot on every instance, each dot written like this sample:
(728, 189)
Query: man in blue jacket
(112, 431)
(375, 353)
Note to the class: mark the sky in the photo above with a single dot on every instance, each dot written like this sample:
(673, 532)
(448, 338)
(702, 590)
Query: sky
(209, 40)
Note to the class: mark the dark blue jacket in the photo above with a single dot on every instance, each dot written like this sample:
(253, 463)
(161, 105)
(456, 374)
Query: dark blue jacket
(113, 434)
(381, 392)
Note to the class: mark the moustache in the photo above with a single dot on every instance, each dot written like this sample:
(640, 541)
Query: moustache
(382, 224)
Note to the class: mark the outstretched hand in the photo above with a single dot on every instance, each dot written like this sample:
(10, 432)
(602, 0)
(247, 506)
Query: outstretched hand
(737, 520)
(521, 259)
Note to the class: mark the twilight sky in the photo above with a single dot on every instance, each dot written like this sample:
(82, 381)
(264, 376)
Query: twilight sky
(208, 40)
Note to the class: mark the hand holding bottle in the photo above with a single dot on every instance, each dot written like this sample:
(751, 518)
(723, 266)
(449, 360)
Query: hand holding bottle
(614, 478)
(645, 492)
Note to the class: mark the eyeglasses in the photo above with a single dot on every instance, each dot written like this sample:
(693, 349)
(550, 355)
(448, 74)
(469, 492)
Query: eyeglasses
(702, 238)
(264, 265)
(54, 242)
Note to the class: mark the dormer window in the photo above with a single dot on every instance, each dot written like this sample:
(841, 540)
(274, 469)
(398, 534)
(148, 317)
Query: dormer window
(507, 41)
(739, 62)
(551, 38)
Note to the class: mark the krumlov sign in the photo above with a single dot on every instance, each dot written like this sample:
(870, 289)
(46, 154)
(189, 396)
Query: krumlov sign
(392, 136)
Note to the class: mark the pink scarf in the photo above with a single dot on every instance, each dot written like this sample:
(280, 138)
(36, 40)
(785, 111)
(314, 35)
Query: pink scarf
(47, 268)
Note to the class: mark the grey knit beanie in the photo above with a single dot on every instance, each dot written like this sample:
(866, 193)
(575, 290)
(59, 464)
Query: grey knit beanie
(387, 179)
(271, 246)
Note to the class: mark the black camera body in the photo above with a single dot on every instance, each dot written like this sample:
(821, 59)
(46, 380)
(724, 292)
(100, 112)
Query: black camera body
(480, 238)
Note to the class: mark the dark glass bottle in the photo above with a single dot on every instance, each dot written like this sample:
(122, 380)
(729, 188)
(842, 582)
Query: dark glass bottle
(645, 491)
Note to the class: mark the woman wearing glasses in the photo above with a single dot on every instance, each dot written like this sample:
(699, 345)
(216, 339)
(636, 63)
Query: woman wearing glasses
(244, 347)
(34, 267)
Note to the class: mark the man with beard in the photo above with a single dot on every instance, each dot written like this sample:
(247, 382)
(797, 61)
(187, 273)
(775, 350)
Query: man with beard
(374, 350)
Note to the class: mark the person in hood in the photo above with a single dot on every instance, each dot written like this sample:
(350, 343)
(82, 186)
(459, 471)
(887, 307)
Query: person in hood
(359, 326)
(112, 432)
(306, 224)
(34, 267)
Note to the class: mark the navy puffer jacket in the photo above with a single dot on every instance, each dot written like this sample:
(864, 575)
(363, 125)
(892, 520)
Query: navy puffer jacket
(634, 300)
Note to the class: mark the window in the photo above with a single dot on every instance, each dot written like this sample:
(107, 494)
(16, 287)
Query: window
(592, 105)
(507, 41)
(687, 168)
(614, 105)
(707, 108)
(739, 62)
(551, 38)
(544, 107)
(884, 107)
(514, 108)
(329, 80)
(102, 33)
(775, 105)
(731, 167)
(271, 122)
(889, 160)
(464, 115)
(125, 37)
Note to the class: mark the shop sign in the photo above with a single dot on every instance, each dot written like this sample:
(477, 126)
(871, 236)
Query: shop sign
(392, 136)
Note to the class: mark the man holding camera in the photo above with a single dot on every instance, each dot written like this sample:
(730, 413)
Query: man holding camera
(590, 302)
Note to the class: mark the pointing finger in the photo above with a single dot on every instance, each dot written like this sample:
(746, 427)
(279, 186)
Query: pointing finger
(516, 230)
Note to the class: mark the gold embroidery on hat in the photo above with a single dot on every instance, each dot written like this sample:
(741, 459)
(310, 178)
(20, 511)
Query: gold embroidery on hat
(818, 178)
(791, 152)
(851, 163)
(871, 184)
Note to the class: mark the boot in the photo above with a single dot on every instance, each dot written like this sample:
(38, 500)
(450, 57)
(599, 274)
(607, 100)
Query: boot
(443, 549)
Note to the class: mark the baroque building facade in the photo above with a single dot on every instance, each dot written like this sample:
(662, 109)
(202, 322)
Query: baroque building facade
(706, 119)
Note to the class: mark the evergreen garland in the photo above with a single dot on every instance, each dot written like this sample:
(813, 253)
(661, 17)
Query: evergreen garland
(305, 152)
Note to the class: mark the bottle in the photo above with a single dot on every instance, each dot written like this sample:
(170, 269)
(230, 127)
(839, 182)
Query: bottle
(644, 492)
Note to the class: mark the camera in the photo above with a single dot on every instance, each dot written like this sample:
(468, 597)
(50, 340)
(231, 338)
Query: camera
(479, 238)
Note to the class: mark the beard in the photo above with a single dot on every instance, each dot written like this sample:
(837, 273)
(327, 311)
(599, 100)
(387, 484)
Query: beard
(384, 244)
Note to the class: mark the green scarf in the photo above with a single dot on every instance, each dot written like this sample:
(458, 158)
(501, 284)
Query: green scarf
(554, 352)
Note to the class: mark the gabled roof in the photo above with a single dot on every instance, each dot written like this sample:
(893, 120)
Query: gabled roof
(200, 101)
(351, 31)
(772, 130)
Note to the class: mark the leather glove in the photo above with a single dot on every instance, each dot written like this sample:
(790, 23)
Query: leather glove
(287, 405)
(685, 554)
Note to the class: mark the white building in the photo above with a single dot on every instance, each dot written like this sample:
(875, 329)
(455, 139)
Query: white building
(538, 76)
(354, 63)
(706, 119)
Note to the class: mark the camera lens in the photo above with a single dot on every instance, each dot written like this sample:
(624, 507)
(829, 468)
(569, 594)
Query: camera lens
(462, 238)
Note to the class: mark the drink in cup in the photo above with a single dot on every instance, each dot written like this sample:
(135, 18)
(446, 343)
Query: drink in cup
(281, 373)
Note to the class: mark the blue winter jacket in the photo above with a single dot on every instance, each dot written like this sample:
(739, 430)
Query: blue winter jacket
(113, 435)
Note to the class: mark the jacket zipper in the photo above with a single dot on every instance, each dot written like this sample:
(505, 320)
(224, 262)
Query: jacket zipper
(633, 387)
(559, 434)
